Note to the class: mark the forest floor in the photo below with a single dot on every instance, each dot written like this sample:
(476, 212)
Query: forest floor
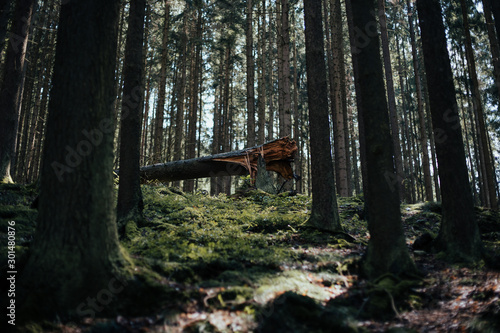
(248, 263)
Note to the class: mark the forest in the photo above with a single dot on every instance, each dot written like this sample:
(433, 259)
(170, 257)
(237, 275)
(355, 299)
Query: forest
(250, 165)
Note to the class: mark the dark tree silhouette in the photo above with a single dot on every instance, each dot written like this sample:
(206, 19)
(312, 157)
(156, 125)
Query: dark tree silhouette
(324, 214)
(387, 251)
(129, 192)
(11, 86)
(75, 253)
(459, 234)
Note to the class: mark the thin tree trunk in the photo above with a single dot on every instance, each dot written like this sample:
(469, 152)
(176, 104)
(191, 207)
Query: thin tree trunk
(11, 89)
(160, 108)
(406, 185)
(250, 76)
(354, 43)
(391, 98)
(261, 104)
(285, 49)
(484, 151)
(193, 108)
(338, 100)
(130, 203)
(421, 112)
(494, 42)
(324, 213)
(270, 84)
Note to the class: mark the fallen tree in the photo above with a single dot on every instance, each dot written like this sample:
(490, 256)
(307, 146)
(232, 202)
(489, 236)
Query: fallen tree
(277, 154)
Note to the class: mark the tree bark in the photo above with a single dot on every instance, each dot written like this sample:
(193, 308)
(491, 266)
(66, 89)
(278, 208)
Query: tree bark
(324, 213)
(76, 253)
(181, 88)
(261, 103)
(160, 109)
(421, 112)
(459, 234)
(339, 110)
(250, 77)
(12, 86)
(484, 151)
(129, 191)
(494, 42)
(387, 251)
(391, 98)
(188, 186)
(354, 43)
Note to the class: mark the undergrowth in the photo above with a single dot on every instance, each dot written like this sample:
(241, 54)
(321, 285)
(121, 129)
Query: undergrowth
(251, 257)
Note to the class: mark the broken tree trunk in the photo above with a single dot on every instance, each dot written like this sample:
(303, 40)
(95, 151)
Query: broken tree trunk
(277, 154)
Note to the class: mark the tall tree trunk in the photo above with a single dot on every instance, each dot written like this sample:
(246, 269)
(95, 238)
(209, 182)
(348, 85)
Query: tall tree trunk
(181, 89)
(261, 103)
(406, 194)
(296, 116)
(76, 253)
(421, 112)
(146, 84)
(285, 103)
(250, 77)
(391, 98)
(387, 251)
(354, 43)
(270, 83)
(324, 213)
(130, 203)
(12, 86)
(339, 110)
(193, 100)
(459, 233)
(214, 184)
(490, 189)
(494, 43)
(160, 108)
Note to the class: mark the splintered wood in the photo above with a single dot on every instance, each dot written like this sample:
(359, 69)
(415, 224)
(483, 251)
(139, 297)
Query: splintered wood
(278, 155)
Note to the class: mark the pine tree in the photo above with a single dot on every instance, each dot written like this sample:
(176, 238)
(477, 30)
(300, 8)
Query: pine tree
(11, 86)
(129, 191)
(76, 252)
(459, 234)
(387, 251)
(324, 213)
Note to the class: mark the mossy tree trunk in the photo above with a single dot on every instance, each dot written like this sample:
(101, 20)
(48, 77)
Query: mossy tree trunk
(129, 192)
(459, 234)
(324, 214)
(387, 251)
(76, 255)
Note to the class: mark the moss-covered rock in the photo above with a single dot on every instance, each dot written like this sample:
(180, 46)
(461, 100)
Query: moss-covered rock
(291, 312)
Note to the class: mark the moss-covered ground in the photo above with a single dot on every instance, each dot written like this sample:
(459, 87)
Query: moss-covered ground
(249, 263)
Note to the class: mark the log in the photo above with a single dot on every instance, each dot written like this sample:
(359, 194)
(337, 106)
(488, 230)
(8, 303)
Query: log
(277, 154)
